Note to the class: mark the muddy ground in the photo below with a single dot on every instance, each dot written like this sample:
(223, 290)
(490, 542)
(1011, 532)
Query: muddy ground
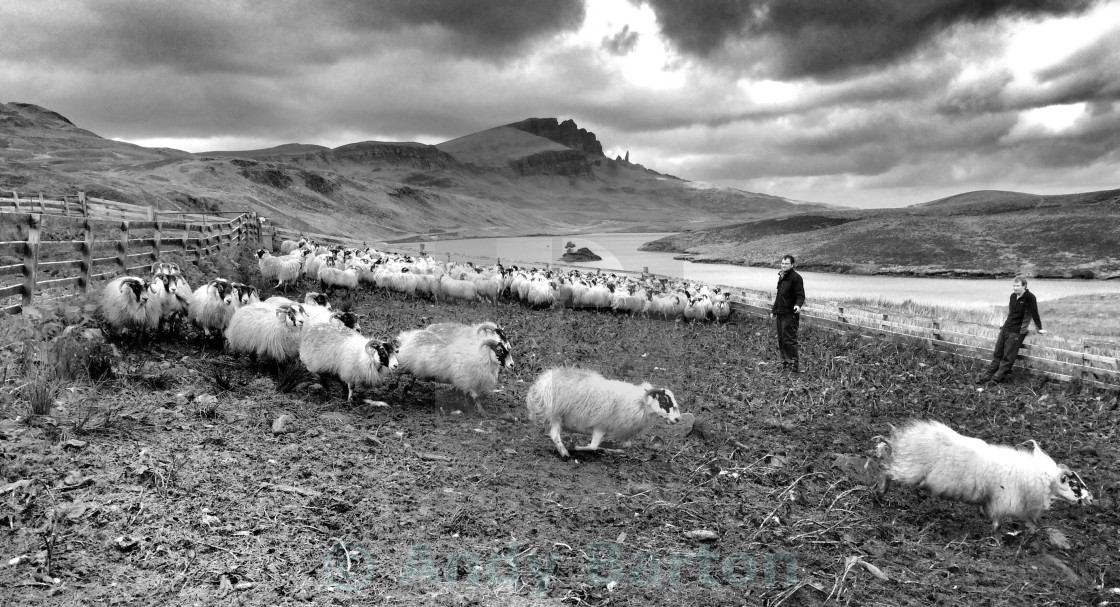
(167, 484)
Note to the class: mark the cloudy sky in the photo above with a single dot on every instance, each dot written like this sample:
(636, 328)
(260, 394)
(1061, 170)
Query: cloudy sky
(865, 103)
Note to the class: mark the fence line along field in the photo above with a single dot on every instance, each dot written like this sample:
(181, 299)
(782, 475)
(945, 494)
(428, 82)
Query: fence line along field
(167, 471)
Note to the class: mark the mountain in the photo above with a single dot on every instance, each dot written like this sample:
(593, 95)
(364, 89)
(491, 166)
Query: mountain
(984, 233)
(538, 175)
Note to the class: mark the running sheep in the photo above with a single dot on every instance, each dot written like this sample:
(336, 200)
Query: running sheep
(346, 354)
(465, 360)
(1006, 482)
(583, 401)
(265, 331)
(130, 304)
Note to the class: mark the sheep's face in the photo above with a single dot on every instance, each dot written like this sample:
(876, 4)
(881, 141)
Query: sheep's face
(139, 288)
(384, 352)
(221, 290)
(663, 403)
(246, 294)
(1069, 486)
(261, 253)
(348, 320)
(502, 355)
(317, 299)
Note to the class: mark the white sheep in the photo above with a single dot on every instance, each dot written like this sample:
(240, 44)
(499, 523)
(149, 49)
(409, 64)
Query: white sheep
(212, 305)
(331, 278)
(174, 299)
(453, 288)
(284, 270)
(583, 401)
(1005, 481)
(698, 308)
(467, 362)
(262, 330)
(130, 304)
(346, 354)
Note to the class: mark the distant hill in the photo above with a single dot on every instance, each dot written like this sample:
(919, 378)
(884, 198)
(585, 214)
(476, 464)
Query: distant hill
(987, 233)
(537, 175)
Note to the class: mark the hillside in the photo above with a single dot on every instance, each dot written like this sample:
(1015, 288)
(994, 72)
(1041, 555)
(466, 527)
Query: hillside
(974, 234)
(533, 176)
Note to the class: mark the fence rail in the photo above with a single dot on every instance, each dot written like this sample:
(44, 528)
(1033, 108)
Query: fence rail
(111, 238)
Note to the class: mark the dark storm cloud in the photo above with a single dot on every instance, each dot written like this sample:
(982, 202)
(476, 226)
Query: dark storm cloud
(621, 43)
(482, 27)
(827, 38)
(276, 37)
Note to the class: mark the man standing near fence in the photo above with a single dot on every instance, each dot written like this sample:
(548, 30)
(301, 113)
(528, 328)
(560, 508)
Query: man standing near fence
(1022, 308)
(787, 312)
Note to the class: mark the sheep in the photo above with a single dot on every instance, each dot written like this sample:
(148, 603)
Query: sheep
(129, 303)
(354, 359)
(174, 299)
(466, 362)
(284, 270)
(668, 306)
(212, 306)
(334, 278)
(698, 308)
(721, 307)
(1005, 481)
(454, 288)
(262, 330)
(291, 245)
(583, 401)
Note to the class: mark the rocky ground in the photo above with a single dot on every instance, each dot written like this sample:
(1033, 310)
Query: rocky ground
(171, 483)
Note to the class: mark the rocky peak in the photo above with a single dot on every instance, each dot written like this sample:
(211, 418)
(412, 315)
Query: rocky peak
(565, 133)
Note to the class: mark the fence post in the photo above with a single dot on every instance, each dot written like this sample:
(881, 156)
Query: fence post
(122, 249)
(840, 314)
(937, 329)
(1084, 374)
(87, 257)
(82, 204)
(157, 241)
(152, 213)
(15, 197)
(66, 205)
(42, 207)
(31, 260)
(883, 325)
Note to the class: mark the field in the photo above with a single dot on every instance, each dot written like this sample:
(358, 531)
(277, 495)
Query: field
(166, 483)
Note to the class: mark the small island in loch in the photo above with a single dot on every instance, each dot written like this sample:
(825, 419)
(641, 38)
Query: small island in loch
(571, 254)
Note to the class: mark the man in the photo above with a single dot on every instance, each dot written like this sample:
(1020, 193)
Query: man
(1022, 308)
(787, 312)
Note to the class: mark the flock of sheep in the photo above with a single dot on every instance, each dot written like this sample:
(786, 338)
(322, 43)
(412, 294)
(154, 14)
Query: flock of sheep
(1006, 482)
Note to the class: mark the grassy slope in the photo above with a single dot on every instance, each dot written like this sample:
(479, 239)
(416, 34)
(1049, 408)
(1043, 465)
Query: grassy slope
(212, 498)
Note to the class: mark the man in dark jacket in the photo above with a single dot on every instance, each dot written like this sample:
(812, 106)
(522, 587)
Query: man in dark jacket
(787, 312)
(1022, 308)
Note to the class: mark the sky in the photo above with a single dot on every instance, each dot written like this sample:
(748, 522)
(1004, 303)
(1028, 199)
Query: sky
(862, 103)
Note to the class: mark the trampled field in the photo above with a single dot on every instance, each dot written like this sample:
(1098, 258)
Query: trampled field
(167, 484)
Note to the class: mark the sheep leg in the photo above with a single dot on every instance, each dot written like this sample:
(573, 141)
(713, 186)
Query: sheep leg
(349, 392)
(554, 434)
(478, 404)
(594, 445)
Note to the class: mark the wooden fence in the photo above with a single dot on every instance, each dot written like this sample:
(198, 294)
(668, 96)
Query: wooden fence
(38, 238)
(1091, 362)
